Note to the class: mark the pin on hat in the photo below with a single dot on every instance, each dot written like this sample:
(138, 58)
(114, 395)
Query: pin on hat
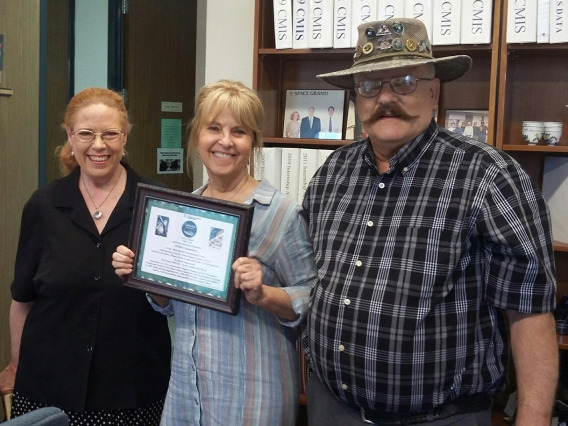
(396, 43)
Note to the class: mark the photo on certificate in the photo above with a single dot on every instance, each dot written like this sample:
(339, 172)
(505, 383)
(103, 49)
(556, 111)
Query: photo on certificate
(185, 245)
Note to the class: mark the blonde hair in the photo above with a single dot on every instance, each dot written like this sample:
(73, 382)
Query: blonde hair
(83, 99)
(215, 98)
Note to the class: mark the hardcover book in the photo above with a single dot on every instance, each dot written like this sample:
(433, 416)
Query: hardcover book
(283, 24)
(320, 29)
(259, 164)
(272, 166)
(362, 11)
(289, 179)
(421, 10)
(446, 26)
(300, 20)
(543, 21)
(521, 21)
(476, 22)
(322, 156)
(388, 9)
(558, 21)
(308, 166)
(342, 23)
(314, 114)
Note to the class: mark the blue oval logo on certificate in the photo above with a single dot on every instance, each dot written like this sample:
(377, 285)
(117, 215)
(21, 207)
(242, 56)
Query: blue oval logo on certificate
(189, 229)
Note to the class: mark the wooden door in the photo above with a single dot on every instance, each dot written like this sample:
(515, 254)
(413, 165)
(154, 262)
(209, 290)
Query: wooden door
(159, 66)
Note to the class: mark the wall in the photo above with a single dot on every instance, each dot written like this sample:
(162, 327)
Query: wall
(227, 41)
(19, 137)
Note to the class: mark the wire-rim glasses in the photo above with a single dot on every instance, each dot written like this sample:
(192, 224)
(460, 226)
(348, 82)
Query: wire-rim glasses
(87, 135)
(403, 85)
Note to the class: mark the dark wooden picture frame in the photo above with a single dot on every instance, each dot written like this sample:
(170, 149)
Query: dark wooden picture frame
(185, 245)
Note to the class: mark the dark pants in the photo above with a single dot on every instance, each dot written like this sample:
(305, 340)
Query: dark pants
(326, 410)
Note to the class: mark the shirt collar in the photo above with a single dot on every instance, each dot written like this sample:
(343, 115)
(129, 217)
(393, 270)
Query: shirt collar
(407, 156)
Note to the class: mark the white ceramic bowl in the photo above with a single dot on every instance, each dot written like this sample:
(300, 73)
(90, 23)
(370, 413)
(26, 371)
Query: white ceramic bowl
(552, 136)
(532, 135)
(533, 123)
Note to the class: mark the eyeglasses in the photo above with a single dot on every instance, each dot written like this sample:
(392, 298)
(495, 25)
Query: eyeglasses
(87, 135)
(399, 85)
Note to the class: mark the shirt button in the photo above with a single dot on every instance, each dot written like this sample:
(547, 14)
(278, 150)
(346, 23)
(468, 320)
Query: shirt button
(99, 244)
(343, 386)
(359, 263)
(381, 185)
(341, 348)
(347, 302)
(97, 277)
(405, 169)
(370, 223)
(89, 348)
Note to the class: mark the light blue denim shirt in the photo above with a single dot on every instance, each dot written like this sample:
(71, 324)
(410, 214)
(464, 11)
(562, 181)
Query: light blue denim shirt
(243, 369)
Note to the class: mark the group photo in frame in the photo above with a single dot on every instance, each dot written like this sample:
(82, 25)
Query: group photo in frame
(185, 245)
(471, 123)
(314, 114)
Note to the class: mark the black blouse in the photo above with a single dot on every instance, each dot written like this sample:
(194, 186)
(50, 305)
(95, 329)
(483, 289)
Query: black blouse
(89, 342)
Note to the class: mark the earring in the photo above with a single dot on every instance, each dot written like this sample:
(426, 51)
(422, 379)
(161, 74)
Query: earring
(72, 153)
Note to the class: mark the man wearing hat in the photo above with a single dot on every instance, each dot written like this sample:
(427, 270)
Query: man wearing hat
(434, 252)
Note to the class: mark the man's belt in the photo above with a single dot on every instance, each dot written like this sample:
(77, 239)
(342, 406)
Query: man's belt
(468, 404)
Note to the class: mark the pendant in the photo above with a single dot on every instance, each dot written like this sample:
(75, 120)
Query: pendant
(97, 214)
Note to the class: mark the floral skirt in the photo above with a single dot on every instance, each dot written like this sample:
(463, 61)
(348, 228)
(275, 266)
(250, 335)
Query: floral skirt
(147, 416)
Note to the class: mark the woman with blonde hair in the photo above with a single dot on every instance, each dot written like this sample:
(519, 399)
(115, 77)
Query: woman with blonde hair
(240, 369)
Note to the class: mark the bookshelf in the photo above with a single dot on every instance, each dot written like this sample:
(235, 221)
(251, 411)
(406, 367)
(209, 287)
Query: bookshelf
(514, 82)
(532, 82)
(278, 70)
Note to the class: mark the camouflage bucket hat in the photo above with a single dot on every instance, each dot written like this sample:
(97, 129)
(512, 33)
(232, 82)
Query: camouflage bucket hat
(396, 43)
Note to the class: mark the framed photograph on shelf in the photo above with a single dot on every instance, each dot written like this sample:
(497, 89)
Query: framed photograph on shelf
(185, 245)
(314, 114)
(472, 123)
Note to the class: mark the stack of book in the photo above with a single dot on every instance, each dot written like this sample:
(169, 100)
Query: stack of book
(289, 169)
(303, 24)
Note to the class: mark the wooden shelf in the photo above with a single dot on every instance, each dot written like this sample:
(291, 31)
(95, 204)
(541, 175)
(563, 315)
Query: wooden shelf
(440, 51)
(302, 52)
(558, 149)
(560, 247)
(537, 49)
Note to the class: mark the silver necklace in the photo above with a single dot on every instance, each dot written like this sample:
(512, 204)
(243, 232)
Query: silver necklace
(98, 214)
